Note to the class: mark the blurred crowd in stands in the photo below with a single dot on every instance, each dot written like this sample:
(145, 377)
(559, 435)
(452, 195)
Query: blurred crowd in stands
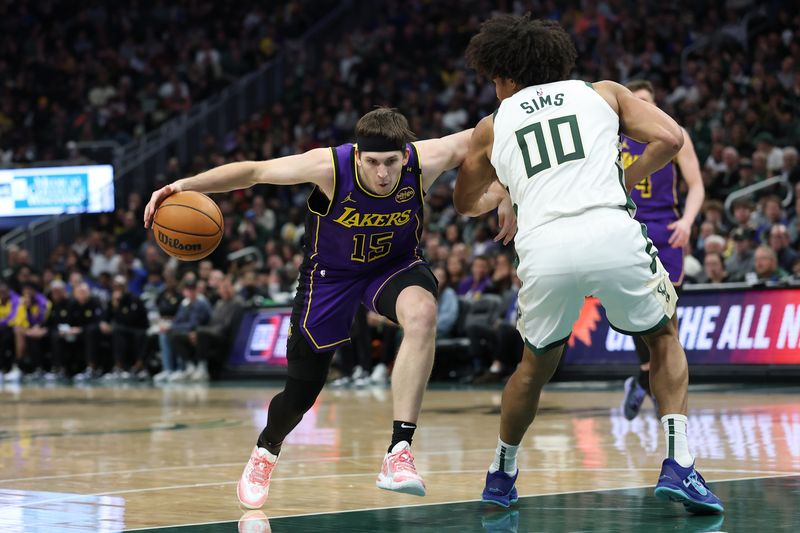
(112, 71)
(729, 75)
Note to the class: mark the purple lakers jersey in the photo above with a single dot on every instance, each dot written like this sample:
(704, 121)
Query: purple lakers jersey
(656, 196)
(358, 230)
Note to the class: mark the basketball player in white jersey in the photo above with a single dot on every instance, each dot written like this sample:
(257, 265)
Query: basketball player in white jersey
(554, 143)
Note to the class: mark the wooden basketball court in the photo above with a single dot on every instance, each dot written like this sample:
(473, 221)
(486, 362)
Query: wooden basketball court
(143, 458)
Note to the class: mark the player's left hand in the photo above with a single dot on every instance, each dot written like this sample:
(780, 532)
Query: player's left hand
(507, 220)
(682, 229)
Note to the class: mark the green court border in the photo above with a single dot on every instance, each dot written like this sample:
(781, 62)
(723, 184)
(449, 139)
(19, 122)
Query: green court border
(560, 511)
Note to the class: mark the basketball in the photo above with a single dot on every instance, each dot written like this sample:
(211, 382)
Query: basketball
(188, 225)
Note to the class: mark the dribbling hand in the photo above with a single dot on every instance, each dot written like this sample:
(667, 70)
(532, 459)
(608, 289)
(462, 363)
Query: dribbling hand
(155, 200)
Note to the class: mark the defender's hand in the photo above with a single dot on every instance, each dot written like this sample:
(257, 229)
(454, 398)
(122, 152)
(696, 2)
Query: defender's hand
(507, 220)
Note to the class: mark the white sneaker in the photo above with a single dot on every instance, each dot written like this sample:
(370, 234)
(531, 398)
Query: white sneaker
(200, 374)
(358, 373)
(398, 472)
(162, 376)
(253, 487)
(86, 375)
(142, 375)
(343, 381)
(379, 375)
(362, 382)
(14, 375)
(114, 375)
(178, 376)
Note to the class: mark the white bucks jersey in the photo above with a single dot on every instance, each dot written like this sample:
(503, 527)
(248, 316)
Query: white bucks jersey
(556, 149)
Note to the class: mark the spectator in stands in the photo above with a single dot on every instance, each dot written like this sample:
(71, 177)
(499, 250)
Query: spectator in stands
(790, 169)
(760, 170)
(714, 214)
(772, 155)
(743, 258)
(772, 214)
(714, 164)
(193, 312)
(794, 221)
(743, 209)
(796, 271)
(249, 290)
(447, 313)
(132, 234)
(213, 339)
(714, 269)
(779, 242)
(500, 341)
(109, 261)
(79, 338)
(478, 281)
(125, 321)
(483, 244)
(32, 334)
(12, 315)
(765, 267)
(725, 182)
(168, 303)
(59, 314)
(502, 275)
(455, 270)
(715, 244)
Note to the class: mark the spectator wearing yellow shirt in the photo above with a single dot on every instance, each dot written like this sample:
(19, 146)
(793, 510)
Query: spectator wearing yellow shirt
(31, 333)
(12, 315)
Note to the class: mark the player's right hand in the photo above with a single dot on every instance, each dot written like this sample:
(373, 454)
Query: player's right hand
(155, 200)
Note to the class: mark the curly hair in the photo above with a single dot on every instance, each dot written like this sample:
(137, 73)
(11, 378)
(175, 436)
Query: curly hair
(529, 52)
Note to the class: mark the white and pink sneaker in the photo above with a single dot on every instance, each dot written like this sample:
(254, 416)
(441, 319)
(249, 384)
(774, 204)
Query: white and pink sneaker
(253, 487)
(398, 472)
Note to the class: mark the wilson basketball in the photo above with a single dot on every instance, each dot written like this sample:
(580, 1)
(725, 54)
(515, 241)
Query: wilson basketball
(188, 225)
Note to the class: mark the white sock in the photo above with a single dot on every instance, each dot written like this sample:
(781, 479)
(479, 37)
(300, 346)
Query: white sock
(505, 458)
(675, 431)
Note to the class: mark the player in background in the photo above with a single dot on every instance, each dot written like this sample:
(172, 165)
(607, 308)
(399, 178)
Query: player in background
(361, 246)
(656, 199)
(554, 143)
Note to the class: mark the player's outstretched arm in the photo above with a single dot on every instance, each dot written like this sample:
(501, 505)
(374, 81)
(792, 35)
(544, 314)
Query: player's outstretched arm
(477, 189)
(439, 155)
(645, 123)
(314, 166)
(474, 194)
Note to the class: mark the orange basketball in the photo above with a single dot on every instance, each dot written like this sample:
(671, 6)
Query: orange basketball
(188, 225)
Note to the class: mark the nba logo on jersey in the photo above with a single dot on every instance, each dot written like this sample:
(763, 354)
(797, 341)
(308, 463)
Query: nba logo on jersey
(539, 92)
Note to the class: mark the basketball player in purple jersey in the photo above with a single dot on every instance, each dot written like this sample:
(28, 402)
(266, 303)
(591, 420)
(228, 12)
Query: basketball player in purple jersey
(656, 199)
(361, 247)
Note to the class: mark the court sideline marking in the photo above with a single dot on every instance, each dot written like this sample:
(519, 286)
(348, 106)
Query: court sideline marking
(79, 497)
(793, 474)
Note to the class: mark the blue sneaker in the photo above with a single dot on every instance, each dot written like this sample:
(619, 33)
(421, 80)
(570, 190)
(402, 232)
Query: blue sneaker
(634, 398)
(686, 486)
(500, 489)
